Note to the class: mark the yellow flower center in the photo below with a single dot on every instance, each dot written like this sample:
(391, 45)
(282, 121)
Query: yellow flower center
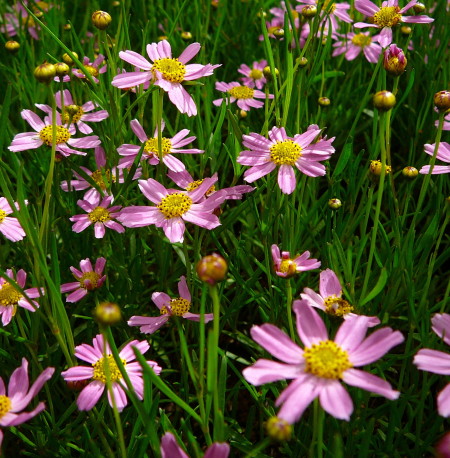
(388, 16)
(89, 280)
(2, 215)
(327, 360)
(28, 21)
(92, 70)
(9, 295)
(99, 215)
(329, 8)
(256, 74)
(104, 366)
(285, 152)
(75, 117)
(196, 184)
(361, 40)
(62, 135)
(151, 146)
(5, 405)
(175, 205)
(101, 179)
(178, 306)
(241, 92)
(288, 266)
(171, 69)
(337, 306)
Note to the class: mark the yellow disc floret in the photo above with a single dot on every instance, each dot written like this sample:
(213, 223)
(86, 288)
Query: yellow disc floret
(151, 146)
(285, 153)
(92, 70)
(327, 360)
(195, 184)
(256, 74)
(178, 306)
(337, 306)
(175, 205)
(101, 179)
(288, 267)
(104, 366)
(3, 215)
(361, 40)
(62, 135)
(9, 295)
(76, 112)
(387, 16)
(241, 92)
(89, 280)
(171, 69)
(5, 405)
(99, 215)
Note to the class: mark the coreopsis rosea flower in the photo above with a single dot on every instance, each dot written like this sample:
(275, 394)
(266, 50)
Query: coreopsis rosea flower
(443, 154)
(254, 76)
(353, 43)
(245, 97)
(286, 267)
(10, 226)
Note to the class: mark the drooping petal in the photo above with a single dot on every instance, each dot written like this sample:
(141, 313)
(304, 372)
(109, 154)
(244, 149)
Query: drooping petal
(335, 400)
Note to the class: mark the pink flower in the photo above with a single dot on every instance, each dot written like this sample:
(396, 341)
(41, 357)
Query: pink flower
(283, 151)
(244, 96)
(443, 447)
(100, 214)
(386, 17)
(436, 361)
(318, 367)
(353, 44)
(168, 307)
(9, 226)
(330, 299)
(94, 68)
(167, 72)
(44, 135)
(334, 11)
(169, 146)
(286, 267)
(173, 208)
(20, 395)
(11, 298)
(88, 279)
(253, 77)
(99, 356)
(14, 20)
(443, 154)
(171, 449)
(81, 116)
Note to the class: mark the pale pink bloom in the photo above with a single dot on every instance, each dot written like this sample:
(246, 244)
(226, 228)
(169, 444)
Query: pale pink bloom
(284, 152)
(87, 278)
(169, 146)
(352, 44)
(168, 307)
(443, 154)
(10, 226)
(286, 267)
(167, 72)
(173, 208)
(330, 299)
(81, 117)
(386, 17)
(171, 449)
(11, 298)
(244, 96)
(96, 68)
(333, 10)
(44, 135)
(318, 368)
(99, 356)
(100, 214)
(20, 395)
(253, 77)
(436, 361)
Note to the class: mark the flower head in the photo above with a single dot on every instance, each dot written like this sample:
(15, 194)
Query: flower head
(244, 96)
(171, 449)
(443, 154)
(168, 307)
(102, 364)
(253, 77)
(394, 60)
(286, 267)
(353, 44)
(95, 68)
(20, 395)
(318, 368)
(9, 226)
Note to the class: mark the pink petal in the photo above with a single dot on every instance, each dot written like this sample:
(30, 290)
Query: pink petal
(434, 361)
(190, 52)
(286, 179)
(266, 371)
(335, 400)
(443, 401)
(183, 289)
(90, 395)
(310, 326)
(170, 447)
(369, 382)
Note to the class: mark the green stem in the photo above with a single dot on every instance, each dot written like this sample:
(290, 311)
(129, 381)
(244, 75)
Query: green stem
(317, 439)
(289, 308)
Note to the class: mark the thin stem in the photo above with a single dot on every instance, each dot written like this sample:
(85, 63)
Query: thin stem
(289, 308)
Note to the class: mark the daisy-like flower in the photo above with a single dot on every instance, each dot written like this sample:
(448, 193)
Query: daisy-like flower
(443, 154)
(168, 307)
(9, 226)
(318, 367)
(353, 43)
(80, 114)
(333, 10)
(167, 72)
(87, 278)
(96, 68)
(253, 77)
(102, 361)
(173, 208)
(169, 146)
(14, 20)
(386, 17)
(171, 449)
(286, 267)
(20, 395)
(44, 135)
(100, 214)
(283, 151)
(11, 298)
(436, 361)
(330, 299)
(244, 96)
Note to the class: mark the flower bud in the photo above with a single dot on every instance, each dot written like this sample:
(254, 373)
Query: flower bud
(72, 110)
(302, 62)
(376, 166)
(101, 20)
(68, 60)
(410, 172)
(62, 69)
(162, 37)
(261, 14)
(394, 60)
(116, 3)
(278, 429)
(108, 313)
(324, 101)
(419, 8)
(309, 11)
(242, 114)
(45, 72)
(405, 29)
(12, 46)
(384, 100)
(278, 33)
(442, 100)
(335, 203)
(67, 27)
(212, 269)
(186, 36)
(268, 74)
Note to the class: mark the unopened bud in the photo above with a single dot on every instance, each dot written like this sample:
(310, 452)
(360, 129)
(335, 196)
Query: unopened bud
(68, 60)
(242, 114)
(101, 20)
(324, 101)
(442, 100)
(67, 27)
(212, 269)
(268, 74)
(186, 36)
(116, 3)
(72, 110)
(394, 60)
(410, 172)
(376, 166)
(261, 14)
(302, 61)
(108, 313)
(419, 8)
(405, 29)
(62, 69)
(278, 33)
(334, 203)
(45, 72)
(12, 46)
(278, 429)
(384, 100)
(309, 11)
